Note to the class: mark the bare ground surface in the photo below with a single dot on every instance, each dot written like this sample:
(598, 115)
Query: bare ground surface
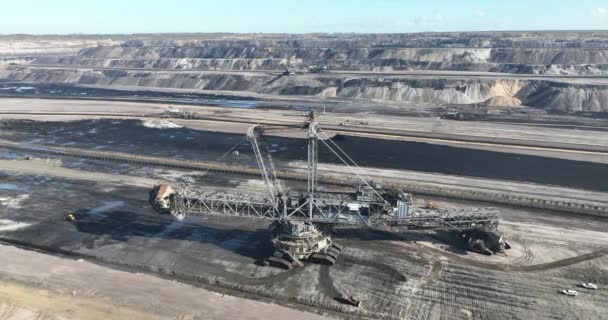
(406, 274)
(39, 286)
(397, 274)
(134, 137)
(398, 124)
(53, 168)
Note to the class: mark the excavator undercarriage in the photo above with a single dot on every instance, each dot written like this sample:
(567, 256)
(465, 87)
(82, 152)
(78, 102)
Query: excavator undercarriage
(298, 241)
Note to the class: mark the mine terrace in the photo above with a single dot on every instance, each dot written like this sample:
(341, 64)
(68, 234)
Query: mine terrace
(310, 176)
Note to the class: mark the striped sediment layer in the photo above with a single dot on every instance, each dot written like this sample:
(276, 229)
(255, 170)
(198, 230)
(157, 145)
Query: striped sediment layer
(542, 94)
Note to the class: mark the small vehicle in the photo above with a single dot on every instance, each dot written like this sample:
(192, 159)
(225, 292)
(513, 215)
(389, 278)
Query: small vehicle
(71, 217)
(288, 72)
(571, 293)
(349, 300)
(589, 285)
(431, 206)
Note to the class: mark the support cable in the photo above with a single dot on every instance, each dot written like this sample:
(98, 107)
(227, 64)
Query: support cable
(361, 171)
(344, 153)
(183, 187)
(350, 167)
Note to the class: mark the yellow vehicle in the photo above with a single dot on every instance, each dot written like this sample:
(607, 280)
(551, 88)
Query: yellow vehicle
(71, 217)
(431, 206)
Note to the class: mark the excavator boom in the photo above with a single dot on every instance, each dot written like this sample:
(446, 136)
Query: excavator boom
(265, 163)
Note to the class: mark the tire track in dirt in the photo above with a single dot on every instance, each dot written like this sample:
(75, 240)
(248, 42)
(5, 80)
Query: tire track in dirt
(221, 272)
(527, 256)
(432, 276)
(326, 283)
(413, 249)
(387, 269)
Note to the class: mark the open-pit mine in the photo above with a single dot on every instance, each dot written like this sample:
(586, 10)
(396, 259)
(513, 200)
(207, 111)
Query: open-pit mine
(311, 176)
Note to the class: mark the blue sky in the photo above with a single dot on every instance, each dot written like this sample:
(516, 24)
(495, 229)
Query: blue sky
(139, 16)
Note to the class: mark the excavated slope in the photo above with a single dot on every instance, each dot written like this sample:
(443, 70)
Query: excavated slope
(501, 92)
(516, 60)
(141, 60)
(523, 52)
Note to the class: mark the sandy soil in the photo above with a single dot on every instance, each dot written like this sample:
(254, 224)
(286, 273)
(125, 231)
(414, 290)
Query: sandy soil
(46, 287)
(25, 302)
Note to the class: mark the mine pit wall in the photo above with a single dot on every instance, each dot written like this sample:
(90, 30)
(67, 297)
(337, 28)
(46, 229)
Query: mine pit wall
(520, 52)
(548, 95)
(336, 55)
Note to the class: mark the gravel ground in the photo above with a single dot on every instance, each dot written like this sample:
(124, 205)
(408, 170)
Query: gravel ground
(396, 275)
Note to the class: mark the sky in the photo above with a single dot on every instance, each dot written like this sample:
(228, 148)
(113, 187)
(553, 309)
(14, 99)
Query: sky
(302, 16)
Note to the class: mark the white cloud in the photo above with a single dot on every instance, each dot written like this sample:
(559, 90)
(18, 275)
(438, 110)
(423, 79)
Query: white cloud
(601, 13)
(479, 13)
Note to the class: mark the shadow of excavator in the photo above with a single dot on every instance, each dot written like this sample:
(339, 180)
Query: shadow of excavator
(121, 226)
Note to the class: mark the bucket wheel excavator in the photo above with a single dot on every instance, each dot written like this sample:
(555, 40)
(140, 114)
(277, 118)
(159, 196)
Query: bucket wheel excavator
(300, 218)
